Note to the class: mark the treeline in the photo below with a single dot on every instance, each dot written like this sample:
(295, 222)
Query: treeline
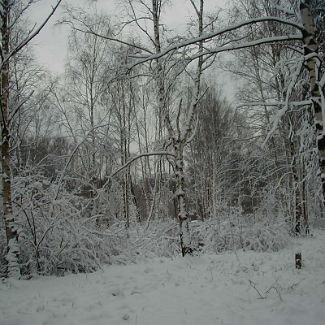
(116, 157)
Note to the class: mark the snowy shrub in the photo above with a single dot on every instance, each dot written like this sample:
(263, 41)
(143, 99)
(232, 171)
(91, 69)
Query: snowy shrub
(60, 243)
(55, 237)
(225, 233)
(138, 242)
(74, 245)
(58, 236)
(160, 239)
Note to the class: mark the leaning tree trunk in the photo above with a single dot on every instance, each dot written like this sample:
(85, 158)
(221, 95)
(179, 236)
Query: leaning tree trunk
(163, 116)
(13, 251)
(313, 62)
(182, 139)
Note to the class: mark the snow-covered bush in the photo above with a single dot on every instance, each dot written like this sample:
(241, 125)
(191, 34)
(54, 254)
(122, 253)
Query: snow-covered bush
(58, 237)
(55, 237)
(240, 232)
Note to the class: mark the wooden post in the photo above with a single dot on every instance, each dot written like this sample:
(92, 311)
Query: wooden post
(298, 260)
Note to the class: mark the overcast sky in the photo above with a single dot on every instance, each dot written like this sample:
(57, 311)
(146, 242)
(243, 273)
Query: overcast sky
(50, 46)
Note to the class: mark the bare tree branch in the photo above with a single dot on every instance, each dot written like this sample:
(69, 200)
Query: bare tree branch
(146, 154)
(218, 33)
(29, 38)
(267, 40)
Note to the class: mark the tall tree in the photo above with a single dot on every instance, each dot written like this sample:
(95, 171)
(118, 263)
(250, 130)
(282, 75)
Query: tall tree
(311, 45)
(11, 12)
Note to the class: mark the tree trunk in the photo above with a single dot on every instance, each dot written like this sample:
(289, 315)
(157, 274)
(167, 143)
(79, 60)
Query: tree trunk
(185, 239)
(313, 61)
(13, 250)
(298, 212)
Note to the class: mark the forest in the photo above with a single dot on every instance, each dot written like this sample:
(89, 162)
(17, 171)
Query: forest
(177, 161)
(136, 141)
(156, 142)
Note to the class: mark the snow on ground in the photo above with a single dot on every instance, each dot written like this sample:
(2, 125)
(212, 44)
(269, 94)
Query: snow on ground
(232, 288)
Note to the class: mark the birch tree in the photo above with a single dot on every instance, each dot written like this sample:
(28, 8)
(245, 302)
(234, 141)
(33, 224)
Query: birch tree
(314, 63)
(270, 71)
(216, 157)
(11, 12)
(179, 117)
(85, 79)
(305, 35)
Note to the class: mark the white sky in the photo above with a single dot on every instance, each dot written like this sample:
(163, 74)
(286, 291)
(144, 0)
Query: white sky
(50, 46)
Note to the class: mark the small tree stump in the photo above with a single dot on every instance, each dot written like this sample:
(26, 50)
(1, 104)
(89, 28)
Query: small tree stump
(298, 260)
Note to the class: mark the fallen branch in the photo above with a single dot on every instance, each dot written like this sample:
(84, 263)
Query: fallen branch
(253, 285)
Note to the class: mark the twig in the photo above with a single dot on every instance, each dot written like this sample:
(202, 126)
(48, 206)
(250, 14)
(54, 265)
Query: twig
(253, 285)
(276, 289)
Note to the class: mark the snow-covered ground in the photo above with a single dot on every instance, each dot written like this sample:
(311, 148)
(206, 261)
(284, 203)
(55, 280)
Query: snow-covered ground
(233, 288)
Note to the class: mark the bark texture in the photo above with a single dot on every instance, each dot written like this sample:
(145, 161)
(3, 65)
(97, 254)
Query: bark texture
(13, 250)
(176, 139)
(313, 62)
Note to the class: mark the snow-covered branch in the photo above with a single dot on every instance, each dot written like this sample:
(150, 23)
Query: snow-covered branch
(266, 40)
(212, 35)
(146, 154)
(276, 104)
(30, 37)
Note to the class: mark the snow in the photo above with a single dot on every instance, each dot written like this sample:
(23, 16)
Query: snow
(231, 288)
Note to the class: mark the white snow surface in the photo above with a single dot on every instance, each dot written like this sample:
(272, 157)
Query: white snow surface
(198, 290)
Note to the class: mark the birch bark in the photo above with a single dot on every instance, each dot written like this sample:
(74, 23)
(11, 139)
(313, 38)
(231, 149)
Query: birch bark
(11, 227)
(313, 63)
